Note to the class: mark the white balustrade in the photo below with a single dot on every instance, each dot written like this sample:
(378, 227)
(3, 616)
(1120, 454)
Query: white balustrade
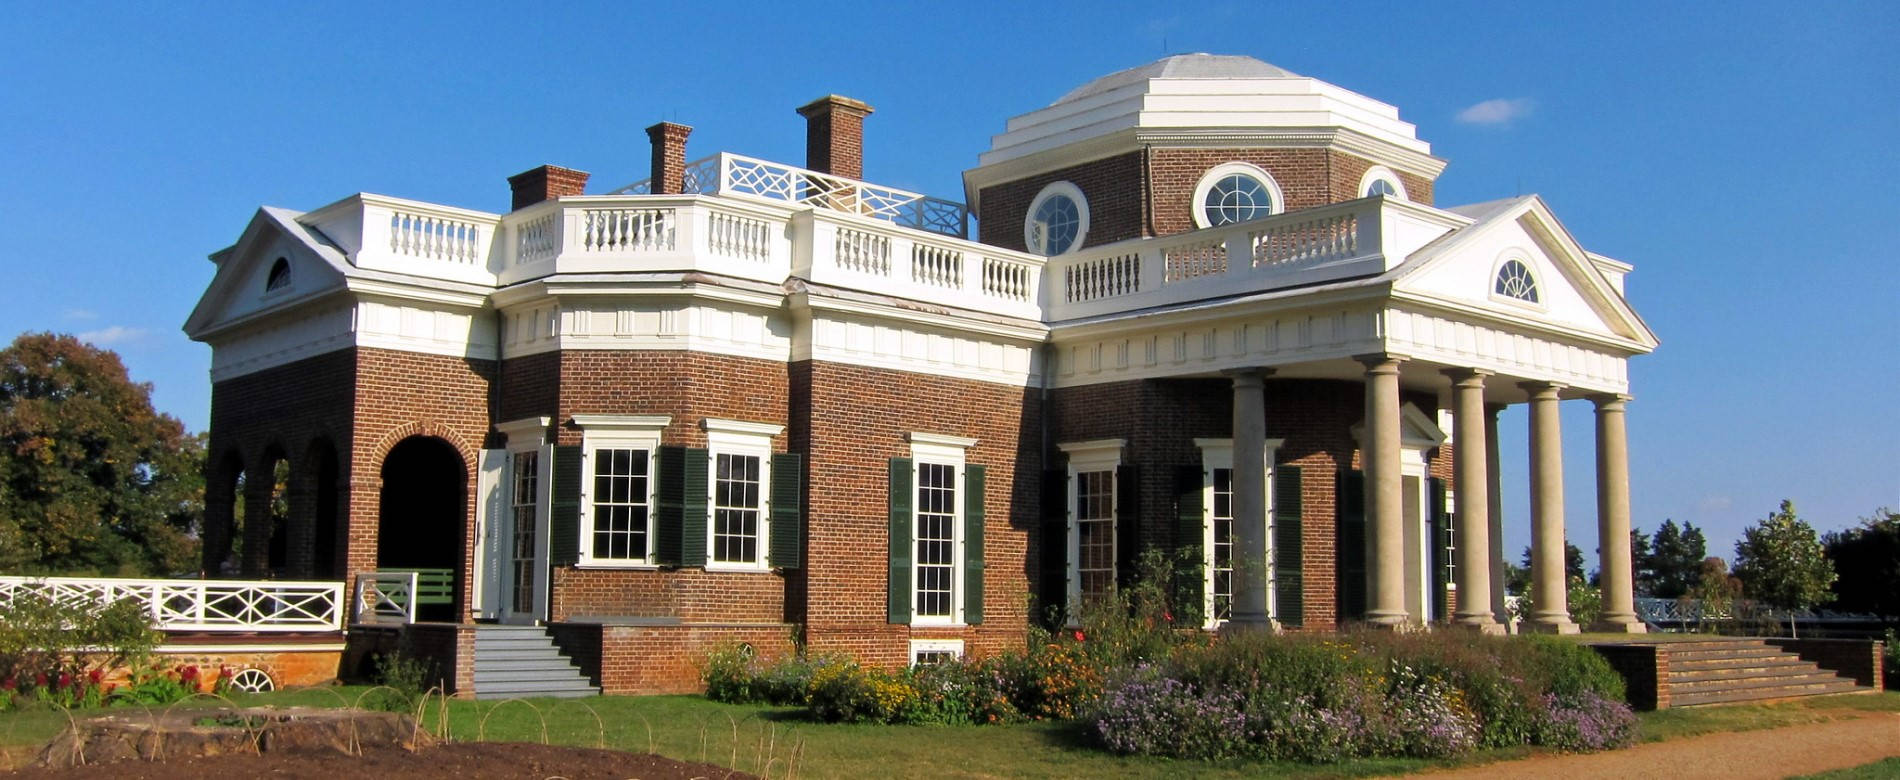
(863, 251)
(1009, 280)
(240, 606)
(732, 174)
(1329, 243)
(627, 230)
(538, 239)
(384, 597)
(737, 236)
(936, 266)
(434, 237)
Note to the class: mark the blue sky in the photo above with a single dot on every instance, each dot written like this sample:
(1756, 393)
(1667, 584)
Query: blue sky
(1740, 155)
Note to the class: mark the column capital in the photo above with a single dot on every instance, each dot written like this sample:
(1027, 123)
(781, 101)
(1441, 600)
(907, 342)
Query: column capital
(1538, 387)
(1463, 375)
(1380, 362)
(1247, 375)
(1611, 402)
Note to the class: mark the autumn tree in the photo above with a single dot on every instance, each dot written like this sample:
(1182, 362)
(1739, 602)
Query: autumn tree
(92, 478)
(1867, 559)
(1780, 561)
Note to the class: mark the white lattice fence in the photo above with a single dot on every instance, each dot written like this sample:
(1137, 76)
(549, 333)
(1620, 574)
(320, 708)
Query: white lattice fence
(199, 605)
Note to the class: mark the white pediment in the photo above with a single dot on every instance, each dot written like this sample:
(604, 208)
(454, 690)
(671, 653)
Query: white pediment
(1572, 291)
(242, 287)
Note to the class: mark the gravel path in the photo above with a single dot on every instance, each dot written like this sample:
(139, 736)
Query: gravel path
(1743, 755)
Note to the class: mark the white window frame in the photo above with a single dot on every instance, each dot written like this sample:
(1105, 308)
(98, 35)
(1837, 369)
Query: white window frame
(1387, 175)
(938, 449)
(617, 432)
(1224, 170)
(737, 437)
(528, 435)
(1074, 194)
(1086, 457)
(1537, 281)
(919, 647)
(1219, 454)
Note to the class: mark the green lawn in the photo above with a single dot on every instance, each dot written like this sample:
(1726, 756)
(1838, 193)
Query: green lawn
(775, 741)
(1878, 770)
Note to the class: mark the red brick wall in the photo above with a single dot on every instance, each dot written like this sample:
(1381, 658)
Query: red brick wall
(1119, 209)
(626, 660)
(856, 420)
(1160, 418)
(404, 394)
(287, 411)
(1112, 186)
(690, 387)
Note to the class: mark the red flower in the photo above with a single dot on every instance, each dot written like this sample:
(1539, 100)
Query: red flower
(187, 673)
(1168, 616)
(1078, 635)
(65, 679)
(39, 680)
(96, 675)
(9, 684)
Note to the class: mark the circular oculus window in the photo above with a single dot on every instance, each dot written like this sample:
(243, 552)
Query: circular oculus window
(1235, 192)
(1058, 220)
(1380, 180)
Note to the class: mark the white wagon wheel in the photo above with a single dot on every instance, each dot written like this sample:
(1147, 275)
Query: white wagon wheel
(252, 680)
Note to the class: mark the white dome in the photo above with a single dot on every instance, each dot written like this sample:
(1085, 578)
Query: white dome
(1182, 66)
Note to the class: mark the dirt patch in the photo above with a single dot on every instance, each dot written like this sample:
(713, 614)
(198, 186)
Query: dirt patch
(479, 760)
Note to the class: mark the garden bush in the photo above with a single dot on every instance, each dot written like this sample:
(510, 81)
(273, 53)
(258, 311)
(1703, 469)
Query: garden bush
(56, 653)
(1585, 722)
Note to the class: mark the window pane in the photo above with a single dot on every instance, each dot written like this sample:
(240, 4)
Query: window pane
(736, 508)
(620, 504)
(935, 530)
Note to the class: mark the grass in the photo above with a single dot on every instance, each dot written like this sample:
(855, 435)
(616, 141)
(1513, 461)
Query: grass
(1878, 770)
(777, 741)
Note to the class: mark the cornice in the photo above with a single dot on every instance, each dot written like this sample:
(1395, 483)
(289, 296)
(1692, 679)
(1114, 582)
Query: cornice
(807, 301)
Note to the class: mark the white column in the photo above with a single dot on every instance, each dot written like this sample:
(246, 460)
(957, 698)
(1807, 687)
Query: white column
(1385, 506)
(1249, 608)
(1472, 486)
(1613, 518)
(1548, 588)
(1494, 505)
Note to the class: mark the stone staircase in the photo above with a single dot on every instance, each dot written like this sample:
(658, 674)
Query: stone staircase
(515, 662)
(1724, 671)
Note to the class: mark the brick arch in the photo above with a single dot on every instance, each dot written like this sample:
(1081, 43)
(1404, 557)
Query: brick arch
(430, 428)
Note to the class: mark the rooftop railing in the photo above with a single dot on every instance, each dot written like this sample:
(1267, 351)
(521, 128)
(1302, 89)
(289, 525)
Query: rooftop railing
(732, 174)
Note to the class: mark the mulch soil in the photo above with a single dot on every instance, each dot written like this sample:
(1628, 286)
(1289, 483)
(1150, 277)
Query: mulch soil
(478, 760)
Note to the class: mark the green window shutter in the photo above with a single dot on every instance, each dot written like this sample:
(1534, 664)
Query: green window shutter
(1350, 536)
(1053, 588)
(564, 507)
(1189, 509)
(788, 521)
(902, 497)
(973, 480)
(693, 477)
(1289, 547)
(667, 547)
(1441, 560)
(1127, 525)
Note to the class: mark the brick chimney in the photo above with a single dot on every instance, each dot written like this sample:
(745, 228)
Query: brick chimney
(669, 157)
(545, 183)
(834, 135)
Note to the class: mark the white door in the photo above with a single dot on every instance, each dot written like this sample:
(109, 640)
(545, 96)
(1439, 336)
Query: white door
(524, 543)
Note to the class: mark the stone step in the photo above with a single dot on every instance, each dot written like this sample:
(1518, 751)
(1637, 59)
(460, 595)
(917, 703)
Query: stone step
(513, 644)
(1765, 693)
(1745, 683)
(564, 693)
(483, 677)
(1749, 664)
(1716, 654)
(519, 688)
(518, 654)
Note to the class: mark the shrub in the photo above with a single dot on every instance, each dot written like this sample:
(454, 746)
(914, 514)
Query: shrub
(404, 679)
(156, 685)
(1057, 680)
(56, 652)
(958, 692)
(1153, 714)
(1585, 722)
(853, 694)
(729, 675)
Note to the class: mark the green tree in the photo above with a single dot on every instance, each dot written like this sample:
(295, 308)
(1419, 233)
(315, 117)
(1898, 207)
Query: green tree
(1868, 562)
(92, 478)
(1715, 589)
(1780, 561)
(1573, 563)
(1676, 559)
(1642, 563)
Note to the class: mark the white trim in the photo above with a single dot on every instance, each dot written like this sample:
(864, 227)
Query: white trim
(1089, 457)
(315, 647)
(1053, 189)
(747, 439)
(1219, 454)
(521, 429)
(627, 422)
(937, 440)
(1382, 173)
(1222, 171)
(918, 646)
(923, 452)
(639, 432)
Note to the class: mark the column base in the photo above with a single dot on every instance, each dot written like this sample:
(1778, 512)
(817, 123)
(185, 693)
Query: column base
(1619, 627)
(1553, 627)
(1391, 621)
(1482, 624)
(1237, 627)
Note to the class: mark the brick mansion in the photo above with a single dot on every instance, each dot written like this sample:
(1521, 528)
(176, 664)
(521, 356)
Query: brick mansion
(1204, 306)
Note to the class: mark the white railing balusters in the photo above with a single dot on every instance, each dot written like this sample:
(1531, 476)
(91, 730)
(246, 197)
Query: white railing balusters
(936, 266)
(208, 605)
(864, 252)
(733, 174)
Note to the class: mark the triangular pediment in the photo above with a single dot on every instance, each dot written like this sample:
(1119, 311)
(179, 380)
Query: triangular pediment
(1523, 240)
(305, 264)
(1417, 430)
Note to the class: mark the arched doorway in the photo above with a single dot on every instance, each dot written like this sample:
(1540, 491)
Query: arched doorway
(224, 504)
(423, 513)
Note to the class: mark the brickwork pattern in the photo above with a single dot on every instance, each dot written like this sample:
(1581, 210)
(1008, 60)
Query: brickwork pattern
(544, 183)
(834, 136)
(1163, 204)
(1642, 668)
(852, 420)
(669, 157)
(1858, 659)
(1160, 418)
(625, 660)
